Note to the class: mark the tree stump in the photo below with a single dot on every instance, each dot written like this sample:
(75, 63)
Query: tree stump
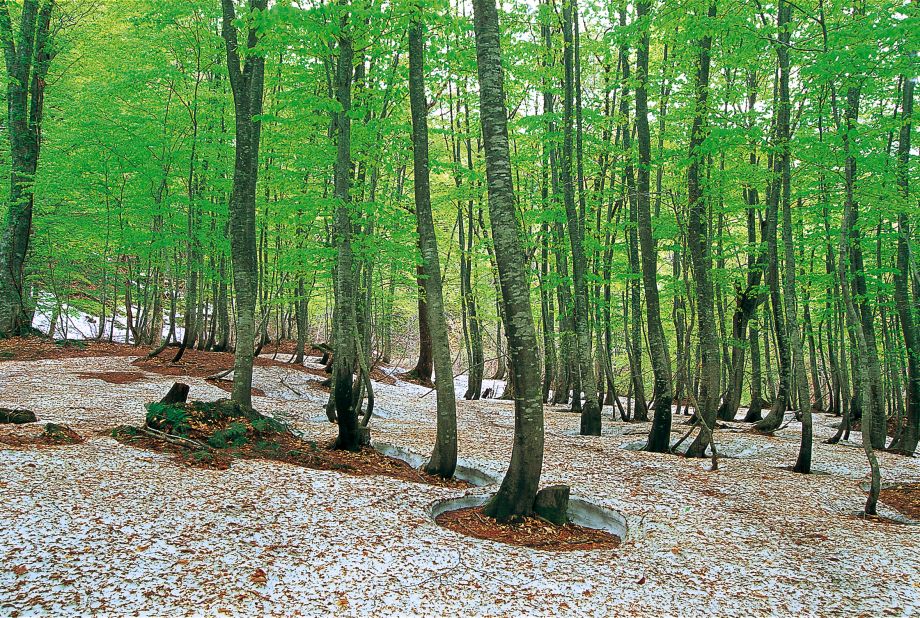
(16, 416)
(177, 394)
(552, 504)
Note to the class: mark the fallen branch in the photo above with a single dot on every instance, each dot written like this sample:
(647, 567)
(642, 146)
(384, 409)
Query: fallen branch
(293, 390)
(220, 374)
(173, 439)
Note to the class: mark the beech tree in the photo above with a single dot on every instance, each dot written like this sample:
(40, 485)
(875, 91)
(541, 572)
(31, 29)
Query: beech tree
(444, 457)
(247, 80)
(27, 56)
(518, 489)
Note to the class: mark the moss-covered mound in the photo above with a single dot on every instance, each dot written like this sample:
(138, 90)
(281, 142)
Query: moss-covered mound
(211, 435)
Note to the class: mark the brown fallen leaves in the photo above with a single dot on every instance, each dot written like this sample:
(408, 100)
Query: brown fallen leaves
(532, 532)
(258, 577)
(904, 498)
(38, 348)
(200, 364)
(256, 437)
(52, 435)
(113, 377)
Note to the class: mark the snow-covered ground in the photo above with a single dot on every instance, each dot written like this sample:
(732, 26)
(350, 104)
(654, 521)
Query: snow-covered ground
(102, 528)
(71, 323)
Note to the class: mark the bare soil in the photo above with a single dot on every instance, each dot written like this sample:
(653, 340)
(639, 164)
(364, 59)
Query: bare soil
(39, 348)
(533, 532)
(904, 498)
(113, 377)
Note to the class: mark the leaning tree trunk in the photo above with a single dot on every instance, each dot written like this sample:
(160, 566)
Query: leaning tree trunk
(443, 460)
(519, 487)
(247, 82)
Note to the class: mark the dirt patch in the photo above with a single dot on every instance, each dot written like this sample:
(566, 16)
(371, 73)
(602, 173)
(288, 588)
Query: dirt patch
(379, 376)
(113, 377)
(200, 364)
(227, 385)
(52, 435)
(904, 498)
(532, 532)
(213, 434)
(38, 348)
(411, 378)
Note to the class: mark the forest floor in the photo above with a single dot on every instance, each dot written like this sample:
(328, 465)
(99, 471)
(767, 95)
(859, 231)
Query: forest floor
(106, 528)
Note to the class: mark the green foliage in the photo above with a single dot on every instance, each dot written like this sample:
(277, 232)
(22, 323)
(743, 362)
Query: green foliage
(233, 435)
(172, 419)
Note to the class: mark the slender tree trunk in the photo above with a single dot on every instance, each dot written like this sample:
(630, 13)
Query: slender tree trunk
(701, 259)
(660, 432)
(444, 456)
(591, 411)
(854, 319)
(247, 82)
(911, 434)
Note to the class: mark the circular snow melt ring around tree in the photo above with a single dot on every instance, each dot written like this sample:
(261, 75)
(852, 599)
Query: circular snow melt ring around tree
(581, 512)
(473, 476)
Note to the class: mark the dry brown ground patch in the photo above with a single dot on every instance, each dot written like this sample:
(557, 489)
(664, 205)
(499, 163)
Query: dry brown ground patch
(904, 498)
(532, 532)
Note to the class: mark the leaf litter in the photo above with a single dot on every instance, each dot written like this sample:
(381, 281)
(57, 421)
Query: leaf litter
(103, 528)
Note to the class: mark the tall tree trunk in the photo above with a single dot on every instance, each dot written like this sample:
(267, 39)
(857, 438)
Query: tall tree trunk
(911, 434)
(591, 411)
(247, 83)
(660, 432)
(519, 487)
(27, 61)
(444, 456)
(853, 317)
(700, 256)
(344, 326)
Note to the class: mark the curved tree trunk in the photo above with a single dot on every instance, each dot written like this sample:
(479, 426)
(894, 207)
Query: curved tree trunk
(444, 456)
(519, 487)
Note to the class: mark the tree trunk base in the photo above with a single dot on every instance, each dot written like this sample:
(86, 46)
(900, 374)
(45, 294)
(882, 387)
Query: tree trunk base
(552, 504)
